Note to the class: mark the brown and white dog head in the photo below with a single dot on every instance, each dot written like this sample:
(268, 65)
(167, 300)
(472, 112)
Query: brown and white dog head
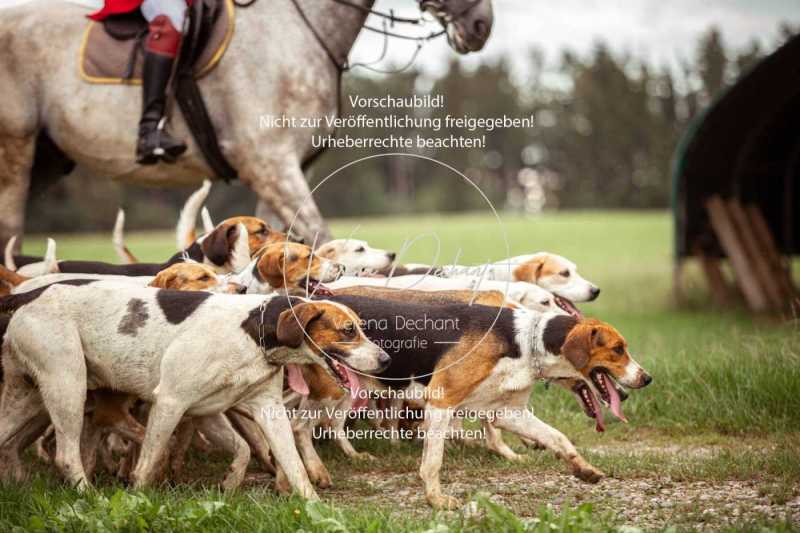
(226, 249)
(555, 274)
(194, 277)
(357, 256)
(599, 353)
(330, 335)
(287, 265)
(259, 234)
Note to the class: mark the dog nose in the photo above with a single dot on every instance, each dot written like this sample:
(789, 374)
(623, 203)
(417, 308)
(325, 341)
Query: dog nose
(239, 289)
(391, 256)
(384, 360)
(594, 292)
(647, 380)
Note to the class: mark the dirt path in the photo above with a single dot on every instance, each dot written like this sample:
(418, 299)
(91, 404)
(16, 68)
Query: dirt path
(645, 501)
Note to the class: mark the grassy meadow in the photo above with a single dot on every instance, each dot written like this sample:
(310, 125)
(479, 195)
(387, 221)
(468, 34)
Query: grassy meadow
(714, 442)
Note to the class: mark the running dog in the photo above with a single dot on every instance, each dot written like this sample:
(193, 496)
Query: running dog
(483, 361)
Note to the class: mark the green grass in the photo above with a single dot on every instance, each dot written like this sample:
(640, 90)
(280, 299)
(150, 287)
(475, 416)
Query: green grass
(723, 381)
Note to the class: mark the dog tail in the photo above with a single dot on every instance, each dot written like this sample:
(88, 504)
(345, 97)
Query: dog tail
(118, 238)
(9, 253)
(208, 224)
(185, 233)
(50, 261)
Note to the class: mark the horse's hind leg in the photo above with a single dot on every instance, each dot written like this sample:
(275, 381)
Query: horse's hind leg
(16, 162)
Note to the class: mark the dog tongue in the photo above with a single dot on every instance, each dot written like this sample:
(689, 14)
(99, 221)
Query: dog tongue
(359, 400)
(296, 380)
(599, 425)
(570, 307)
(322, 290)
(616, 404)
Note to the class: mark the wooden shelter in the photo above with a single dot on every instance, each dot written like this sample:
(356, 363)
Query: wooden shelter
(736, 191)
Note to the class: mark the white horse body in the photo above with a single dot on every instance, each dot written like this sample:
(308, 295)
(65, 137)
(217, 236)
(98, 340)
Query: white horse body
(274, 66)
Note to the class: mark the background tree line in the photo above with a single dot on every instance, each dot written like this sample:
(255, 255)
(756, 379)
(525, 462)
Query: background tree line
(606, 132)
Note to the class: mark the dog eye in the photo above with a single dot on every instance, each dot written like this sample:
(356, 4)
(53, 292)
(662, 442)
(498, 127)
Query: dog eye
(545, 302)
(564, 273)
(349, 330)
(360, 249)
(619, 350)
(205, 278)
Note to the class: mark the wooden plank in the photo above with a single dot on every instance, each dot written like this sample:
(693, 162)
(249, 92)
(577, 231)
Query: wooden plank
(720, 291)
(758, 259)
(779, 266)
(746, 277)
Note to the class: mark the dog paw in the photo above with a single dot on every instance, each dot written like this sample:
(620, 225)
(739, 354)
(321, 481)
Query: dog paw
(514, 457)
(232, 481)
(588, 473)
(364, 456)
(444, 502)
(282, 485)
(320, 477)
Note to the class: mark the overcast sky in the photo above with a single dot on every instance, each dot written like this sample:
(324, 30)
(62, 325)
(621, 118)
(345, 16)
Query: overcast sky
(662, 31)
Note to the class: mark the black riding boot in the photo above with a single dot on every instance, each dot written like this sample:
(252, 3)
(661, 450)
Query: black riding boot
(154, 142)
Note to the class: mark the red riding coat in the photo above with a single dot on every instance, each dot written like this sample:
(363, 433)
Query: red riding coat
(115, 7)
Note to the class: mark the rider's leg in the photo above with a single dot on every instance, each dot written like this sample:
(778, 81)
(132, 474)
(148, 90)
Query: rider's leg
(161, 48)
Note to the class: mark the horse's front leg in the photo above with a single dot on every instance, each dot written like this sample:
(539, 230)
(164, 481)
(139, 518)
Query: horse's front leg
(16, 161)
(282, 189)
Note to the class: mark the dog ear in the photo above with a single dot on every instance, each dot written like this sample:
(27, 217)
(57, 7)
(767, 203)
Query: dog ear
(217, 246)
(529, 272)
(271, 264)
(163, 280)
(326, 251)
(292, 324)
(578, 346)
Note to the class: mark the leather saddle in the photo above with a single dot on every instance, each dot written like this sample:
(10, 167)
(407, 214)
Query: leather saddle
(112, 53)
(112, 49)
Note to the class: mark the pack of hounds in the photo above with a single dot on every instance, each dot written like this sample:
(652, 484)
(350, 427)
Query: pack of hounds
(247, 341)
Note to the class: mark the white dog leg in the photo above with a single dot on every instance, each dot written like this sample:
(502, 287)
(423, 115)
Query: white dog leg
(338, 423)
(274, 421)
(437, 421)
(495, 442)
(165, 414)
(310, 413)
(220, 432)
(525, 424)
(251, 432)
